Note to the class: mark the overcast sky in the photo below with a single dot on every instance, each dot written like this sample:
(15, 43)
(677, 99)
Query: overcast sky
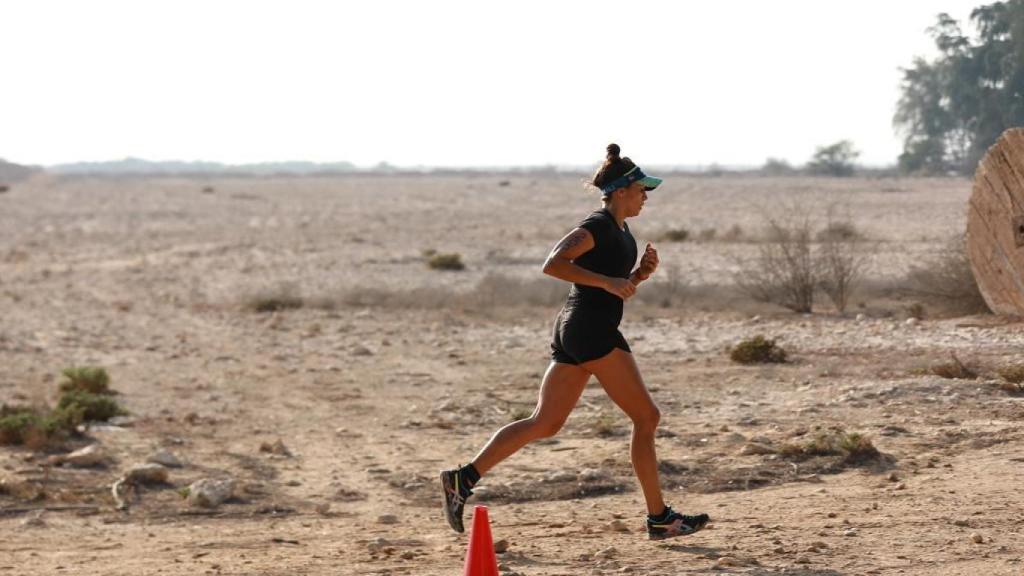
(448, 83)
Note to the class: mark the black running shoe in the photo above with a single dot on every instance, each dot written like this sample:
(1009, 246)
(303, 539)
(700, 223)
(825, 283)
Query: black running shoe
(675, 524)
(454, 499)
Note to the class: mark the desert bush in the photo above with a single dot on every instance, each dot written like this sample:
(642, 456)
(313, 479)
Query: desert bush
(91, 379)
(840, 262)
(757, 350)
(947, 277)
(784, 271)
(675, 235)
(1012, 378)
(1013, 373)
(20, 425)
(452, 262)
(283, 297)
(954, 369)
(916, 310)
(92, 407)
(852, 446)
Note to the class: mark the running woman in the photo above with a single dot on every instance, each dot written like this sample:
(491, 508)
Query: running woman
(597, 257)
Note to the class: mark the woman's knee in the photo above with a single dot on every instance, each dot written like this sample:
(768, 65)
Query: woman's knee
(648, 419)
(546, 428)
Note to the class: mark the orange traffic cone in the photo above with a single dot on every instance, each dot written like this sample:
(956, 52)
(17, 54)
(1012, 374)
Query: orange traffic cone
(480, 558)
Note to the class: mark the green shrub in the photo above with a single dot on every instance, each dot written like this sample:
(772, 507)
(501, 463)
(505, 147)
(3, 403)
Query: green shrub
(91, 379)
(21, 425)
(757, 350)
(446, 262)
(91, 407)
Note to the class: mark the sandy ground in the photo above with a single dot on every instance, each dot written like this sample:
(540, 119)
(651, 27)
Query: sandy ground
(393, 371)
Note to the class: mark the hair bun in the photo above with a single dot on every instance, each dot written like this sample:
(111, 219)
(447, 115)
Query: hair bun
(613, 151)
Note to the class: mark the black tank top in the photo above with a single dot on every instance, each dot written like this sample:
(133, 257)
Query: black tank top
(613, 254)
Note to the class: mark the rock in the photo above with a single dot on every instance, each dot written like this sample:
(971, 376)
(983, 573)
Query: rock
(146, 474)
(165, 458)
(861, 317)
(911, 321)
(961, 523)
(850, 532)
(408, 555)
(501, 546)
(606, 553)
(616, 526)
(387, 519)
(277, 447)
(977, 538)
(815, 546)
(323, 508)
(210, 492)
(593, 475)
(560, 477)
(34, 520)
(360, 350)
(91, 455)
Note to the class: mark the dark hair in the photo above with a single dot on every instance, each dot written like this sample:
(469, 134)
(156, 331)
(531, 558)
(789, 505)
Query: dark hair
(613, 167)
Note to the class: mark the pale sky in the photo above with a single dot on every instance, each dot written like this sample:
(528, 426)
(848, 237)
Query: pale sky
(456, 83)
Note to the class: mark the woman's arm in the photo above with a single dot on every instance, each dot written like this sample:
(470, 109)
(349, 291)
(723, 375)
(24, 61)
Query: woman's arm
(559, 264)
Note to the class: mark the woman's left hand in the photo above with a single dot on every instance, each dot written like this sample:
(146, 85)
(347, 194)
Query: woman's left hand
(649, 261)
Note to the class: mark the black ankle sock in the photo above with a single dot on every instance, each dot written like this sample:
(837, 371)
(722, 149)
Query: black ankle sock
(659, 517)
(468, 477)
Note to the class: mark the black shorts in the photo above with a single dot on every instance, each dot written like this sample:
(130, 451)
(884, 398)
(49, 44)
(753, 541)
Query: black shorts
(582, 335)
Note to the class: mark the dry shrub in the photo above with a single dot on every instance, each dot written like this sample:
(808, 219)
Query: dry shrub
(1012, 378)
(92, 379)
(667, 289)
(281, 297)
(794, 262)
(784, 271)
(757, 350)
(855, 448)
(953, 370)
(675, 235)
(840, 260)
(449, 262)
(947, 279)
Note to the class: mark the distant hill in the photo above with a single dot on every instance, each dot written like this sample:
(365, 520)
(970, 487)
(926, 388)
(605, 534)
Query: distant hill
(10, 172)
(171, 167)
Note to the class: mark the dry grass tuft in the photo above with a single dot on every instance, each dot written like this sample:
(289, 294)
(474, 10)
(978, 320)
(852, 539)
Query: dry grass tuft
(855, 448)
(757, 350)
(449, 262)
(282, 297)
(954, 369)
(947, 279)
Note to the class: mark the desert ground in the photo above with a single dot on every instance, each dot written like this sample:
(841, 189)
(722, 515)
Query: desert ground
(334, 414)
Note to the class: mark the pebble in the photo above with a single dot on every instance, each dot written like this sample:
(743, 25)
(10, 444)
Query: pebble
(360, 350)
(387, 519)
(210, 492)
(961, 523)
(850, 532)
(165, 458)
(977, 538)
(606, 553)
(616, 526)
(323, 508)
(146, 474)
(501, 546)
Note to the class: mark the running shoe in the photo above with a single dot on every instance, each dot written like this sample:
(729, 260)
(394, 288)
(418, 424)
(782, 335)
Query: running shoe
(675, 524)
(454, 499)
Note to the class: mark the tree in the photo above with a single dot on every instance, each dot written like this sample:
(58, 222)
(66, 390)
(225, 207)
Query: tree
(834, 160)
(953, 108)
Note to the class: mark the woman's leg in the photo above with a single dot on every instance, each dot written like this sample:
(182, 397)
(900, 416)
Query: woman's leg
(618, 374)
(561, 388)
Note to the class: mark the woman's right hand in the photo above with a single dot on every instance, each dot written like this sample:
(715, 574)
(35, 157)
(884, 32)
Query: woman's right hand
(621, 287)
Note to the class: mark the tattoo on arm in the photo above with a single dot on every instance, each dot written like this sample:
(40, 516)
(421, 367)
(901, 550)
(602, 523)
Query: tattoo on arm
(574, 240)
